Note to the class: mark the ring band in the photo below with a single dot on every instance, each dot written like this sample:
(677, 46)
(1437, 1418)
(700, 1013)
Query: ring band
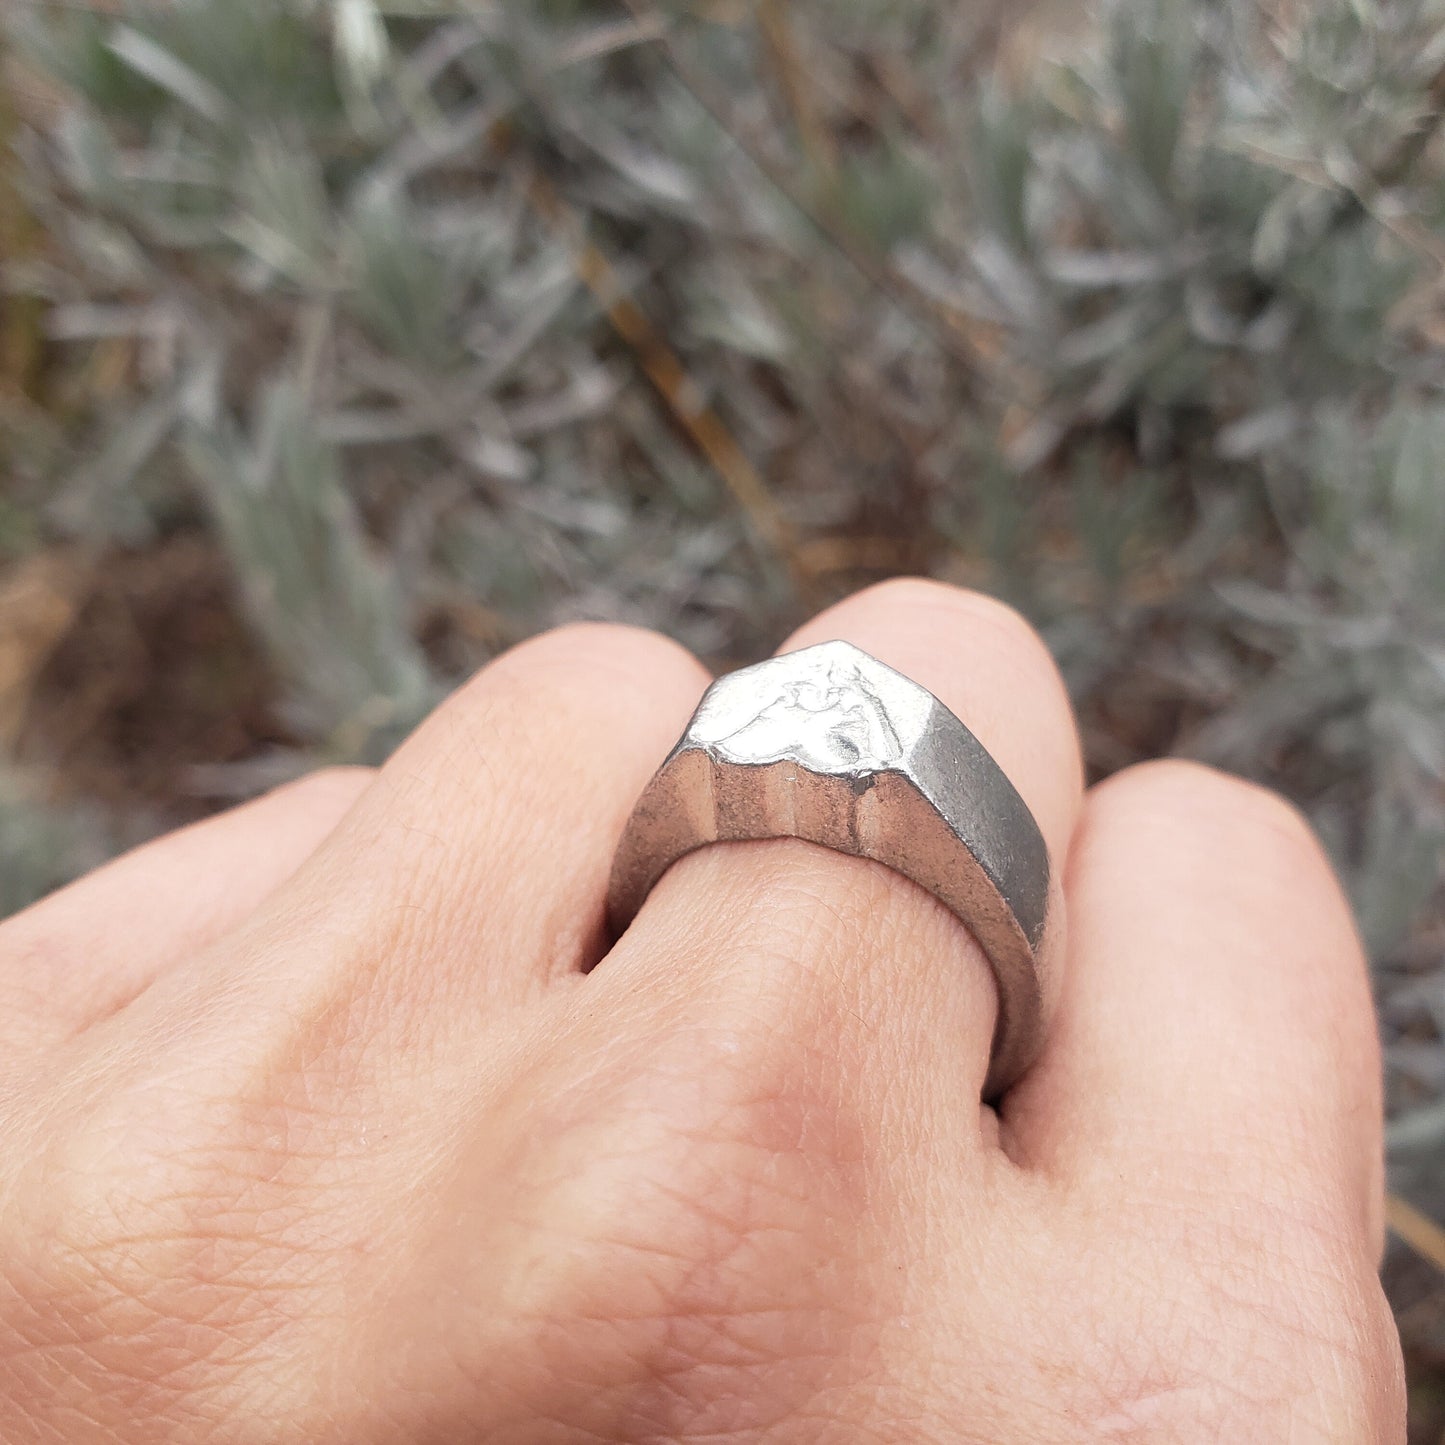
(832, 746)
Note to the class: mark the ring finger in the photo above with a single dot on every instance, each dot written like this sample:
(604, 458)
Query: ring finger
(853, 952)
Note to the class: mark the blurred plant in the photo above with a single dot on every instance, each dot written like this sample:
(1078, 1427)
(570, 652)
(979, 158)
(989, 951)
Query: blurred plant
(331, 617)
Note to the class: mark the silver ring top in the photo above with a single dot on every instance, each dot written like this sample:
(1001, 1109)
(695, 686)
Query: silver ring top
(832, 746)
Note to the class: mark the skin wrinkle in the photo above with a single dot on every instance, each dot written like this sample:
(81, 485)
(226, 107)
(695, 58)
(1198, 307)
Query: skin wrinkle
(735, 1199)
(200, 1194)
(1254, 1334)
(879, 914)
(684, 1197)
(1153, 1289)
(377, 1174)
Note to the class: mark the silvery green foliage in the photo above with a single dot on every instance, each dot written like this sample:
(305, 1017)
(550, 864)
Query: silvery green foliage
(1206, 219)
(1143, 333)
(332, 618)
(346, 195)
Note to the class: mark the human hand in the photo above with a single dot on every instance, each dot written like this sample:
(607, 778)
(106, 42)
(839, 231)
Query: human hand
(314, 1129)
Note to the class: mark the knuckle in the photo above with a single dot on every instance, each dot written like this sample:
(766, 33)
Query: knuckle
(573, 672)
(131, 1196)
(204, 1160)
(326, 789)
(974, 611)
(170, 1217)
(597, 651)
(316, 802)
(1234, 815)
(81, 1285)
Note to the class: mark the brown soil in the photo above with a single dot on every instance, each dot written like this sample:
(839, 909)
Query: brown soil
(140, 670)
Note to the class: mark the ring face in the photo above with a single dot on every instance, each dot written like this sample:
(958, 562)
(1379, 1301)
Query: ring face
(832, 709)
(832, 746)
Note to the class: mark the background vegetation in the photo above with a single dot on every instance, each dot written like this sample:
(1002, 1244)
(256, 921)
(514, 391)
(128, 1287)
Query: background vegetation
(344, 342)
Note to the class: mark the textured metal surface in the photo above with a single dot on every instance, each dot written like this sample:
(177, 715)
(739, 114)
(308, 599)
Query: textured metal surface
(830, 745)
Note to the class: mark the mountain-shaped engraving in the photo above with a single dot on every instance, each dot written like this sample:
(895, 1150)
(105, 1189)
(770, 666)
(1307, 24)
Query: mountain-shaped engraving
(832, 720)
